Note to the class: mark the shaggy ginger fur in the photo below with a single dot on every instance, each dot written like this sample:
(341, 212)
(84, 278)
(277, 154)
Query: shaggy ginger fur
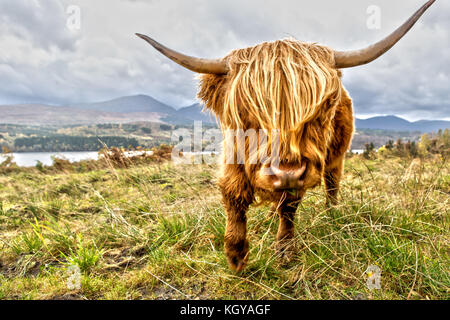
(280, 85)
(292, 87)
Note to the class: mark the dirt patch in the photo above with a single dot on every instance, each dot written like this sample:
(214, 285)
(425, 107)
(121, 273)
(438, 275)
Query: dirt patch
(117, 259)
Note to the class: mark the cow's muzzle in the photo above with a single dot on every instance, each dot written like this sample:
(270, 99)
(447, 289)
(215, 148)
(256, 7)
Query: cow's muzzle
(288, 179)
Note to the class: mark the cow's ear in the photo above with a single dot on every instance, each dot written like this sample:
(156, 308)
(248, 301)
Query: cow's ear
(211, 92)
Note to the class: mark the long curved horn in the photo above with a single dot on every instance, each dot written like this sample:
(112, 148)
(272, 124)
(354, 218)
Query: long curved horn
(198, 65)
(348, 59)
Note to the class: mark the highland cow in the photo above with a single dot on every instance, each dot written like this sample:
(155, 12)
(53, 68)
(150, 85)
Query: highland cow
(294, 88)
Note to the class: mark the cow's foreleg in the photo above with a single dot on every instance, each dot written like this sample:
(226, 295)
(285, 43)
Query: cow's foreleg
(236, 243)
(237, 197)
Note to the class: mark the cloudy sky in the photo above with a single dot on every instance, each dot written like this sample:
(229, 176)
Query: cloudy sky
(46, 58)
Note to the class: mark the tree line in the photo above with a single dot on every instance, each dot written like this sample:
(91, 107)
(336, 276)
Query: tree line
(429, 144)
(61, 143)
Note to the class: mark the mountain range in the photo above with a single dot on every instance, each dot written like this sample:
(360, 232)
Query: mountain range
(145, 108)
(393, 123)
(145, 104)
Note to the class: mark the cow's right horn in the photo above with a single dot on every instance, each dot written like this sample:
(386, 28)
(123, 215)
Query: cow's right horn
(208, 66)
(348, 59)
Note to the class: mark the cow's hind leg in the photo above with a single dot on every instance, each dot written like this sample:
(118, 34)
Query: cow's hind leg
(286, 212)
(332, 177)
(340, 143)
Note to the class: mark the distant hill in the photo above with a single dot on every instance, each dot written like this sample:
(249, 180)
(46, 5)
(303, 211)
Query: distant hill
(143, 103)
(130, 104)
(190, 114)
(34, 114)
(393, 123)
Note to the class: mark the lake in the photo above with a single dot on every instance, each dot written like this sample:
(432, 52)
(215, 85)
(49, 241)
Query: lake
(29, 159)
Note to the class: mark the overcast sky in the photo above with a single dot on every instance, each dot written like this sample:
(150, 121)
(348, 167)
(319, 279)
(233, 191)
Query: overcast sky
(42, 60)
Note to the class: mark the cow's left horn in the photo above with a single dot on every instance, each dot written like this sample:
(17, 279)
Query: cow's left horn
(218, 66)
(348, 59)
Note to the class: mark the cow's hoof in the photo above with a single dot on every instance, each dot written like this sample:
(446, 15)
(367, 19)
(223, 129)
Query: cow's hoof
(237, 256)
(331, 203)
(238, 262)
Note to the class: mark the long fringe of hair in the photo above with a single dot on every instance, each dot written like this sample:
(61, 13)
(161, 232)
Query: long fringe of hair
(280, 85)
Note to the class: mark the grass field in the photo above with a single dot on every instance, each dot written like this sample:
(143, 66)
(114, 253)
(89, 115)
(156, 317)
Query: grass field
(156, 232)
